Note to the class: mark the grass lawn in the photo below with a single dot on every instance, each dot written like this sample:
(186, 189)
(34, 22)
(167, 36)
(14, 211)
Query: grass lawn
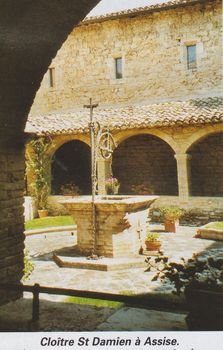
(94, 302)
(98, 302)
(218, 225)
(49, 221)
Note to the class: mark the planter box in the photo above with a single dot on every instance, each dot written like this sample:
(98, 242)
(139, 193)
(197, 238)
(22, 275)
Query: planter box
(209, 233)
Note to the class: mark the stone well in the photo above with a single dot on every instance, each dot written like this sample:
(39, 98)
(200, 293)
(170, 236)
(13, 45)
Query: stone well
(120, 224)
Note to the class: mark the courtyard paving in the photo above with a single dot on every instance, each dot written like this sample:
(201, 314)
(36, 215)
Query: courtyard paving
(59, 314)
(134, 280)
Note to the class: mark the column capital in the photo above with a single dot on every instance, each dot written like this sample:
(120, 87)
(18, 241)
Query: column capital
(182, 156)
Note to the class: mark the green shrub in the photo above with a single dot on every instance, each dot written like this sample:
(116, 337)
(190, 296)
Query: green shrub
(152, 237)
(172, 212)
(28, 266)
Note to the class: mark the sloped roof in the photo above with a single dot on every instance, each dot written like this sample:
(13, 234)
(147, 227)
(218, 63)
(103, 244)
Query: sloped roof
(141, 10)
(167, 114)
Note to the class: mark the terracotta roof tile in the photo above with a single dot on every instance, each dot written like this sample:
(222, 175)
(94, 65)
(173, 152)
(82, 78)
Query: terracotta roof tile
(191, 112)
(140, 10)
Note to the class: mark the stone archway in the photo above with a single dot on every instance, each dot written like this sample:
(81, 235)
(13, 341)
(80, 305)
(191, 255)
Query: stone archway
(31, 32)
(206, 166)
(145, 164)
(72, 165)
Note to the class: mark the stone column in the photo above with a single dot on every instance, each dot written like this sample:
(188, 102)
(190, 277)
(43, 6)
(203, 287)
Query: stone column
(184, 175)
(11, 218)
(103, 171)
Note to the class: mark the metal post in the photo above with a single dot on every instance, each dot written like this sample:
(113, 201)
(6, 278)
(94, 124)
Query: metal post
(93, 170)
(35, 313)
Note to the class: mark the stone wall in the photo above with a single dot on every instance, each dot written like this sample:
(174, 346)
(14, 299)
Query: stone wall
(153, 48)
(11, 218)
(198, 210)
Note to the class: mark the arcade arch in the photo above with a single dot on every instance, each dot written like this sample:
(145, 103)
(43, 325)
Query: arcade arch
(40, 30)
(71, 166)
(206, 166)
(145, 163)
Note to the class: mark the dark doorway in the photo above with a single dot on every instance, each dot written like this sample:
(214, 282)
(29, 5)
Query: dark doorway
(207, 166)
(71, 165)
(145, 164)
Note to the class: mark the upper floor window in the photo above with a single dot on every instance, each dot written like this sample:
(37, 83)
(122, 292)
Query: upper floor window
(52, 77)
(191, 57)
(118, 68)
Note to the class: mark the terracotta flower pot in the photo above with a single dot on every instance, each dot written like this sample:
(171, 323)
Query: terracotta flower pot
(153, 245)
(43, 213)
(171, 225)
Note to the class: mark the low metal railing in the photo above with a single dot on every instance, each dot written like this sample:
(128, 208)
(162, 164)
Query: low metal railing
(139, 300)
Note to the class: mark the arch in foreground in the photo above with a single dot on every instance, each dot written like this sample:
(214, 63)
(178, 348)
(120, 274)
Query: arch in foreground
(31, 34)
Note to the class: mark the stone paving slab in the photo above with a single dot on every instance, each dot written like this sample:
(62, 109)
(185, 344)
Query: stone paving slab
(134, 319)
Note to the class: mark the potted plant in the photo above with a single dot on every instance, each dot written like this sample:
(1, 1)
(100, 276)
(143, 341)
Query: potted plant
(171, 216)
(201, 280)
(142, 189)
(70, 189)
(152, 241)
(38, 163)
(112, 185)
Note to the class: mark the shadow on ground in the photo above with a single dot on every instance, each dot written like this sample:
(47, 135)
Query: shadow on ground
(54, 316)
(64, 316)
(65, 251)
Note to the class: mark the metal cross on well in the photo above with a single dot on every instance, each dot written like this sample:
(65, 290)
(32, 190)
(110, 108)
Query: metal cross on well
(106, 144)
(93, 148)
(93, 172)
